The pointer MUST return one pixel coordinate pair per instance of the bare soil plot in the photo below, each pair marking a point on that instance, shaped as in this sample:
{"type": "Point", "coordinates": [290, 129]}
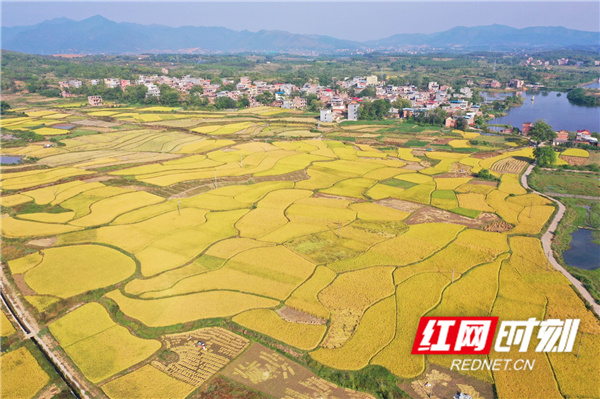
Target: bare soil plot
{"type": "Point", "coordinates": [485, 221]}
{"type": "Point", "coordinates": [297, 316]}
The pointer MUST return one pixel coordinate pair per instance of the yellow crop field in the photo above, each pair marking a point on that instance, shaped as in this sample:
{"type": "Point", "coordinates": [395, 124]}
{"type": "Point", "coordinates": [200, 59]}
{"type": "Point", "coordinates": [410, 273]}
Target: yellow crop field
{"type": "Point", "coordinates": [415, 178]}
{"type": "Point", "coordinates": [346, 166]}
{"type": "Point", "coordinates": [22, 376]}
{"type": "Point", "coordinates": [305, 299]}
{"type": "Point", "coordinates": [106, 210]}
{"type": "Point", "coordinates": [371, 211]}
{"type": "Point", "coordinates": [414, 298]}
{"type": "Point", "coordinates": [376, 329]}
{"type": "Point", "coordinates": [98, 346]}
{"type": "Point", "coordinates": [174, 310]}
{"type": "Point", "coordinates": [459, 144]}
{"type": "Point", "coordinates": [147, 382]}
{"type": "Point", "coordinates": [419, 242]}
{"type": "Point", "coordinates": [6, 327]}
{"type": "Point", "coordinates": [381, 191]}
{"type": "Point", "coordinates": [19, 180]}
{"type": "Point", "coordinates": [41, 302]}
{"type": "Point", "coordinates": [576, 152]}
{"type": "Point", "coordinates": [14, 200]}
{"type": "Point", "coordinates": [322, 178]}
{"type": "Point", "coordinates": [533, 218]}
{"type": "Point", "coordinates": [266, 321]}
{"type": "Point", "coordinates": [21, 265]}
{"type": "Point", "coordinates": [474, 201]}
{"type": "Point", "coordinates": [358, 289]}
{"type": "Point", "coordinates": [420, 193]}
{"type": "Point", "coordinates": [228, 248]}
{"type": "Point", "coordinates": [223, 129]}
{"type": "Point", "coordinates": [510, 184]}
{"type": "Point", "coordinates": [350, 188]}
{"type": "Point", "coordinates": [50, 131]}
{"type": "Point", "coordinates": [62, 217]}
{"type": "Point", "coordinates": [450, 183]}
{"type": "Point", "coordinates": [47, 195]}
{"type": "Point", "coordinates": [291, 164]}
{"type": "Point", "coordinates": [260, 221]}
{"type": "Point", "coordinates": [15, 228]}
{"type": "Point", "coordinates": [406, 155]}
{"type": "Point", "coordinates": [72, 270]}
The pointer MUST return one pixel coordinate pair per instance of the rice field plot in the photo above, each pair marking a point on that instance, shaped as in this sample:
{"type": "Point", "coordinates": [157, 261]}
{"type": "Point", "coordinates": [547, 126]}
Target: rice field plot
{"type": "Point", "coordinates": [186, 308]}
{"type": "Point", "coordinates": [97, 345]}
{"type": "Point", "coordinates": [16, 228]}
{"type": "Point", "coordinates": [6, 327]}
{"type": "Point", "coordinates": [374, 332]}
{"type": "Point", "coordinates": [223, 130]}
{"type": "Point", "coordinates": [445, 199]}
{"type": "Point", "coordinates": [267, 371]}
{"type": "Point", "coordinates": [266, 321]}
{"type": "Point", "coordinates": [249, 272]}
{"type": "Point", "coordinates": [67, 271]}
{"type": "Point", "coordinates": [20, 180]}
{"type": "Point", "coordinates": [22, 376]}
{"type": "Point", "coordinates": [414, 298]}
{"type": "Point", "coordinates": [50, 131]}
{"type": "Point", "coordinates": [305, 297]}
{"type": "Point", "coordinates": [418, 243]}
{"type": "Point", "coordinates": [353, 188]}
{"type": "Point", "coordinates": [509, 165]}
{"type": "Point", "coordinates": [575, 152]}
{"type": "Point", "coordinates": [105, 210]}
{"type": "Point", "coordinates": [147, 382]}
{"type": "Point", "coordinates": [200, 354]}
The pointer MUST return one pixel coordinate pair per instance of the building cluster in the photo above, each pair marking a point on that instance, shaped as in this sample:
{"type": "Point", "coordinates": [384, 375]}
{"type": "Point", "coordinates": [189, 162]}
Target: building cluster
{"type": "Point", "coordinates": [581, 137]}
{"type": "Point", "coordinates": [340, 101]}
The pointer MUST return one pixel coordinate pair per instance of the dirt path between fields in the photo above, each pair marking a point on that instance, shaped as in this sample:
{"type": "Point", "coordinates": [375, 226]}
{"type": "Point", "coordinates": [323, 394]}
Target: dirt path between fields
{"type": "Point", "coordinates": [547, 243]}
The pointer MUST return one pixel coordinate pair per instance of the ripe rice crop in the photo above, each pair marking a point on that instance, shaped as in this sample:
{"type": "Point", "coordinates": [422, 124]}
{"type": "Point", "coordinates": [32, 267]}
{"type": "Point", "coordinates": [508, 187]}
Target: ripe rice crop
{"type": "Point", "coordinates": [415, 178]}
{"type": "Point", "coordinates": [406, 155]}
{"type": "Point", "coordinates": [358, 289]}
{"type": "Point", "coordinates": [381, 191]}
{"type": "Point", "coordinates": [509, 165]}
{"type": "Point", "coordinates": [147, 382]}
{"type": "Point", "coordinates": [350, 188]}
{"type": "Point", "coordinates": [22, 376]}
{"type": "Point", "coordinates": [445, 199]}
{"type": "Point", "coordinates": [41, 302]}
{"type": "Point", "coordinates": [14, 200]}
{"type": "Point", "coordinates": [50, 194]}
{"type": "Point", "coordinates": [19, 180]}
{"type": "Point", "coordinates": [260, 221]}
{"type": "Point", "coordinates": [304, 298]}
{"type": "Point", "coordinates": [266, 321]}
{"type": "Point", "coordinates": [376, 329]}
{"type": "Point", "coordinates": [21, 265]}
{"type": "Point", "coordinates": [6, 327]}
{"type": "Point", "coordinates": [450, 183]}
{"type": "Point", "coordinates": [510, 184]}
{"type": "Point", "coordinates": [174, 310]}
{"type": "Point", "coordinates": [227, 248]}
{"type": "Point", "coordinates": [15, 228]}
{"type": "Point", "coordinates": [106, 210]}
{"type": "Point", "coordinates": [459, 144]}
{"type": "Point", "coordinates": [414, 298]}
{"type": "Point", "coordinates": [371, 211]}
{"type": "Point", "coordinates": [50, 131]}
{"type": "Point", "coordinates": [72, 270]}
{"type": "Point", "coordinates": [474, 201]}
{"type": "Point", "coordinates": [62, 217]}
{"type": "Point", "coordinates": [576, 152]}
{"type": "Point", "coordinates": [98, 346]}
{"type": "Point", "coordinates": [532, 219]}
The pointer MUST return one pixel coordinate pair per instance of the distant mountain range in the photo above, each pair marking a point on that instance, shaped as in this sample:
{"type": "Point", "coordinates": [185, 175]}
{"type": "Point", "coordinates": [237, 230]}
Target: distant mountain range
{"type": "Point", "coordinates": [98, 35]}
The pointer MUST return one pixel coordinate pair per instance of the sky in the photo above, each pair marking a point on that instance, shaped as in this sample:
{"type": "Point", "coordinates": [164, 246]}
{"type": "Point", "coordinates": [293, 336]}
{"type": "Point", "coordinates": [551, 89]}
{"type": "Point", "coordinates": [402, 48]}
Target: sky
{"type": "Point", "coordinates": [359, 21]}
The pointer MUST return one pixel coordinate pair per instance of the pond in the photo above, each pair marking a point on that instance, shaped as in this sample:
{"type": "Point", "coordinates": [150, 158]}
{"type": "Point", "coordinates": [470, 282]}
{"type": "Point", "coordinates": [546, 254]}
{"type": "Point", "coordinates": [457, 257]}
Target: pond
{"type": "Point", "coordinates": [556, 110]}
{"type": "Point", "coordinates": [583, 252]}
{"type": "Point", "coordinates": [7, 160]}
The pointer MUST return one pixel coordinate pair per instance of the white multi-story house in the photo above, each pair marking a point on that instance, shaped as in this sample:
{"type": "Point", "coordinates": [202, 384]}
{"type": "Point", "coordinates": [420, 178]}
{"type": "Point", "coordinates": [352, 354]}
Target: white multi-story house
{"type": "Point", "coordinates": [353, 111]}
{"type": "Point", "coordinates": [326, 115]}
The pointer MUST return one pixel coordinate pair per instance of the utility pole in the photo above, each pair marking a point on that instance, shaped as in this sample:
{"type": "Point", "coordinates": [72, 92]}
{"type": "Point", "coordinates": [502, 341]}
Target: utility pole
{"type": "Point", "coordinates": [579, 348]}
{"type": "Point", "coordinates": [179, 207]}
{"type": "Point", "coordinates": [453, 275]}
{"type": "Point", "coordinates": [241, 161]}
{"type": "Point", "coordinates": [215, 179]}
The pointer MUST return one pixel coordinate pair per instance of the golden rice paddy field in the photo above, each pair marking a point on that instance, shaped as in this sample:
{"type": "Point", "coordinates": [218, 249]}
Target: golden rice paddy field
{"type": "Point", "coordinates": [327, 248]}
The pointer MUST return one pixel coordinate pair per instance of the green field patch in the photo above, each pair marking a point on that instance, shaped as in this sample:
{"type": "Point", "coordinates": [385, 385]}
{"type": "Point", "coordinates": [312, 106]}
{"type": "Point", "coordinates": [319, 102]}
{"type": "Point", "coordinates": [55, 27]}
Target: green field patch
{"type": "Point", "coordinates": [471, 213]}
{"type": "Point", "coordinates": [399, 183]}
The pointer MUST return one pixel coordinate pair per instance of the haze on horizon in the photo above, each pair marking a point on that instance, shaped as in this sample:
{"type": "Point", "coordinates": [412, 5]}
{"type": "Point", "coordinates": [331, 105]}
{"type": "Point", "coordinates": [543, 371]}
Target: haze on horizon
{"type": "Point", "coordinates": [353, 21]}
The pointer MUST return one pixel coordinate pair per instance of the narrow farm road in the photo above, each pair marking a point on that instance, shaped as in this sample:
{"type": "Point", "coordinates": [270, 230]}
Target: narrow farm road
{"type": "Point", "coordinates": [31, 329]}
{"type": "Point", "coordinates": [547, 243]}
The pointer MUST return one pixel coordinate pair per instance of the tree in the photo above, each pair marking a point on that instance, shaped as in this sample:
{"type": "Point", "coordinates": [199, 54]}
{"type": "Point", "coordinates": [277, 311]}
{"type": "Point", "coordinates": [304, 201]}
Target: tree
{"type": "Point", "coordinates": [401, 103]}
{"type": "Point", "coordinates": [4, 107]}
{"type": "Point", "coordinates": [462, 124]}
{"type": "Point", "coordinates": [225, 103]}
{"type": "Point", "coordinates": [367, 92]}
{"type": "Point", "coordinates": [544, 156]}
{"type": "Point", "coordinates": [541, 132]}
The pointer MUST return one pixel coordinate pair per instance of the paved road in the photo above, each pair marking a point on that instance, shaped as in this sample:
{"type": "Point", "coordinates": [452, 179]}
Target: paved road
{"type": "Point", "coordinates": [547, 244]}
